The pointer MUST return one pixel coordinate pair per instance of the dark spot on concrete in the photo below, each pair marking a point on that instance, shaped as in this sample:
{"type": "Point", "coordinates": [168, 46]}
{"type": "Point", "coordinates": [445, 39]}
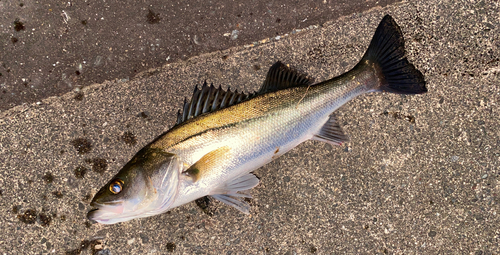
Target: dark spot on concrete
{"type": "Point", "coordinates": [44, 219]}
{"type": "Point", "coordinates": [103, 252]}
{"type": "Point", "coordinates": [99, 165]}
{"type": "Point", "coordinates": [21, 5]}
{"type": "Point", "coordinates": [313, 249]}
{"type": "Point", "coordinates": [18, 25]}
{"type": "Point", "coordinates": [29, 216]}
{"type": "Point", "coordinates": [63, 217]}
{"type": "Point", "coordinates": [286, 178]}
{"type": "Point", "coordinates": [278, 20]}
{"type": "Point", "coordinates": [88, 224]}
{"type": "Point", "coordinates": [44, 197]}
{"type": "Point", "coordinates": [153, 18]}
{"type": "Point", "coordinates": [374, 219]}
{"type": "Point", "coordinates": [82, 145]}
{"type": "Point", "coordinates": [14, 40]}
{"type": "Point", "coordinates": [143, 115]}
{"type": "Point", "coordinates": [225, 57]}
{"type": "Point", "coordinates": [16, 208]}
{"type": "Point", "coordinates": [366, 227]}
{"type": "Point", "coordinates": [77, 72]}
{"type": "Point", "coordinates": [81, 207]}
{"type": "Point", "coordinates": [171, 247]}
{"type": "Point", "coordinates": [87, 197]}
{"type": "Point", "coordinates": [58, 194]}
{"type": "Point", "coordinates": [144, 238]}
{"type": "Point", "coordinates": [205, 205]}
{"type": "Point", "coordinates": [399, 116]}
{"type": "Point", "coordinates": [256, 67]}
{"type": "Point", "coordinates": [129, 138]}
{"type": "Point", "coordinates": [48, 178]}
{"type": "Point", "coordinates": [432, 233]}
{"type": "Point", "coordinates": [1, 193]}
{"type": "Point", "coordinates": [62, 152]}
{"type": "Point", "coordinates": [80, 172]}
{"type": "Point", "coordinates": [84, 245]}
{"type": "Point", "coordinates": [78, 97]}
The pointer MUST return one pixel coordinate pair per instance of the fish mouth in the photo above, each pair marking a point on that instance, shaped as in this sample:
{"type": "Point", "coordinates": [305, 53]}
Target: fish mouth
{"type": "Point", "coordinates": [91, 215]}
{"type": "Point", "coordinates": [104, 212]}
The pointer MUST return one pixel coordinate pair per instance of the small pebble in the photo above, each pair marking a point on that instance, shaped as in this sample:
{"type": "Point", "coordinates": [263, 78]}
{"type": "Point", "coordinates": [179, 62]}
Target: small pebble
{"type": "Point", "coordinates": [234, 34]}
{"type": "Point", "coordinates": [131, 241]}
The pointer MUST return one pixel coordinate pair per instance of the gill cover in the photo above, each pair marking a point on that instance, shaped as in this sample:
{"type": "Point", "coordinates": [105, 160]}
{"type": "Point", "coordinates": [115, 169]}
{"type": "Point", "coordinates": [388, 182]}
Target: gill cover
{"type": "Point", "coordinates": [146, 186]}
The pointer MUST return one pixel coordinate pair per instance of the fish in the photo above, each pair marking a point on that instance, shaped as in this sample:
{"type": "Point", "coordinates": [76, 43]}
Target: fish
{"type": "Point", "coordinates": [222, 136]}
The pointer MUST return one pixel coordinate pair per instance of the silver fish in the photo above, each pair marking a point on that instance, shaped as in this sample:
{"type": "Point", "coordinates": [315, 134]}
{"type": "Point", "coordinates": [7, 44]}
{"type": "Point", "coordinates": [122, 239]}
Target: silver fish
{"type": "Point", "coordinates": [222, 136]}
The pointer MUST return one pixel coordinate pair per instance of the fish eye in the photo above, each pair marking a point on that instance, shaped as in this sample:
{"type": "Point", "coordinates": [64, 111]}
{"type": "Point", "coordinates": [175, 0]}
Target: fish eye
{"type": "Point", "coordinates": [116, 186]}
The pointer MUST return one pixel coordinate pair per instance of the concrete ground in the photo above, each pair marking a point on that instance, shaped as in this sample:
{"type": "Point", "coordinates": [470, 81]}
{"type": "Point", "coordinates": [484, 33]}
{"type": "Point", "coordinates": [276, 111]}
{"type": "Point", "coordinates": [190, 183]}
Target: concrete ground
{"type": "Point", "coordinates": [51, 47]}
{"type": "Point", "coordinates": [421, 174]}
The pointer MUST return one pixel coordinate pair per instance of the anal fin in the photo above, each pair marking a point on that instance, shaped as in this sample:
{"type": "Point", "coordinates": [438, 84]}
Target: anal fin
{"type": "Point", "coordinates": [331, 133]}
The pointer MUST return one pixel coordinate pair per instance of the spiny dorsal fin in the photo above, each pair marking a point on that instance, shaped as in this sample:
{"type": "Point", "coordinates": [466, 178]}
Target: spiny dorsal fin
{"type": "Point", "coordinates": [281, 76]}
{"type": "Point", "coordinates": [209, 99]}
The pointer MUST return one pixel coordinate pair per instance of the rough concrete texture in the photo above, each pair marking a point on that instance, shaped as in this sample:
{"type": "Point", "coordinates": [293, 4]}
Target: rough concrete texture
{"type": "Point", "coordinates": [51, 47]}
{"type": "Point", "coordinates": [420, 175]}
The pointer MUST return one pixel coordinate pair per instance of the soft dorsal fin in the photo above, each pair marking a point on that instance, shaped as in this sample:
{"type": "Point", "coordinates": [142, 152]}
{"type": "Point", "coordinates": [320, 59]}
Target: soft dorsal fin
{"type": "Point", "coordinates": [281, 77]}
{"type": "Point", "coordinates": [209, 99]}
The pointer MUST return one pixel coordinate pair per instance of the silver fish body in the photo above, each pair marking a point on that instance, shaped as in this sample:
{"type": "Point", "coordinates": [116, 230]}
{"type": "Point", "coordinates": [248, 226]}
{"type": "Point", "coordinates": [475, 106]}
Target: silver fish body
{"type": "Point", "coordinates": [222, 136]}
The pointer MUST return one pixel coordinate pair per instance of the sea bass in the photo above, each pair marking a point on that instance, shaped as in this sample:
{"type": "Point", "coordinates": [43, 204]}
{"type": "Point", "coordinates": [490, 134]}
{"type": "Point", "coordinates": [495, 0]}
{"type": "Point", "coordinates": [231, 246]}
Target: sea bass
{"type": "Point", "coordinates": [222, 136]}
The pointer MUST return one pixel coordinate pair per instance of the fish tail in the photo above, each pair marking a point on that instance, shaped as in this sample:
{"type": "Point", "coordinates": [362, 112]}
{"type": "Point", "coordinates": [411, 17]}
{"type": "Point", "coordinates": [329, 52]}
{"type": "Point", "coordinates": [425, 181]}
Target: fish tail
{"type": "Point", "coordinates": [387, 53]}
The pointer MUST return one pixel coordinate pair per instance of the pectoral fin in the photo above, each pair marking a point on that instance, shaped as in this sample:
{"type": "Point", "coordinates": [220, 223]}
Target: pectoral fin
{"type": "Point", "coordinates": [228, 193]}
{"type": "Point", "coordinates": [208, 163]}
{"type": "Point", "coordinates": [331, 133]}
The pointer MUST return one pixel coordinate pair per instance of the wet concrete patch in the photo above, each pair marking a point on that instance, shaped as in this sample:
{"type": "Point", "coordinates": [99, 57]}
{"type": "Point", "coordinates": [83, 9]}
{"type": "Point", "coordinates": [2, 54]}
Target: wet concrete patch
{"type": "Point", "coordinates": [82, 145]}
{"type": "Point", "coordinates": [80, 172]}
{"type": "Point", "coordinates": [28, 217]}
{"type": "Point", "coordinates": [98, 165]}
{"type": "Point", "coordinates": [129, 138]}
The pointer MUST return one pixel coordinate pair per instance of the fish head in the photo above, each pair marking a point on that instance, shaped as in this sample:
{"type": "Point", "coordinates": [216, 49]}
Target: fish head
{"type": "Point", "coordinates": [145, 186]}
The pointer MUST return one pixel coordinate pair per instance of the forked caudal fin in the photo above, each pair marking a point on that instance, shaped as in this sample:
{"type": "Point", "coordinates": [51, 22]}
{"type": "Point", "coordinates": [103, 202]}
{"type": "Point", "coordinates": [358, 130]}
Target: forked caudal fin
{"type": "Point", "coordinates": [387, 51]}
